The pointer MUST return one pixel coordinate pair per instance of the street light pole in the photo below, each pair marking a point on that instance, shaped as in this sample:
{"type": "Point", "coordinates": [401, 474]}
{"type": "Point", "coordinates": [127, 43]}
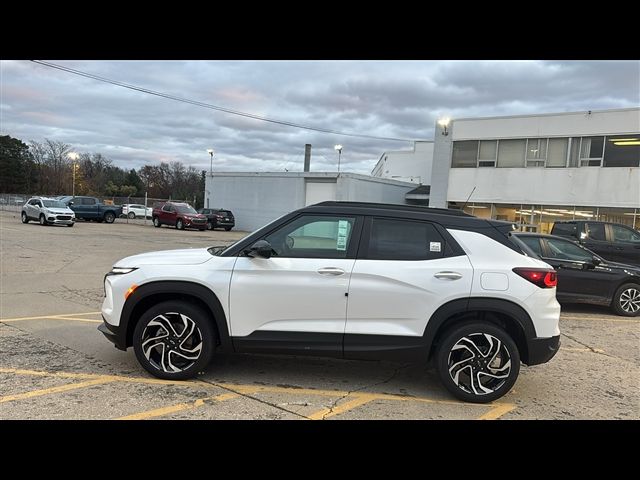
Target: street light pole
{"type": "Point", "coordinates": [210, 152]}
{"type": "Point", "coordinates": [339, 149]}
{"type": "Point", "coordinates": [73, 156]}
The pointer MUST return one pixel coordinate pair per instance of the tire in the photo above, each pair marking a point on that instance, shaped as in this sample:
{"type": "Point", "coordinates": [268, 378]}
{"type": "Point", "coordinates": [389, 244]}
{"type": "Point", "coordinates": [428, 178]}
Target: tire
{"type": "Point", "coordinates": [626, 300]}
{"type": "Point", "coordinates": [181, 362]}
{"type": "Point", "coordinates": [202, 229]}
{"type": "Point", "coordinates": [131, 215]}
{"type": "Point", "coordinates": [474, 354]}
{"type": "Point", "coordinates": [43, 221]}
{"type": "Point", "coordinates": [179, 224]}
{"type": "Point", "coordinates": [228, 229]}
{"type": "Point", "coordinates": [24, 217]}
{"type": "Point", "coordinates": [209, 225]}
{"type": "Point", "coordinates": [109, 217]}
{"type": "Point", "coordinates": [156, 222]}
{"type": "Point", "coordinates": [71, 225]}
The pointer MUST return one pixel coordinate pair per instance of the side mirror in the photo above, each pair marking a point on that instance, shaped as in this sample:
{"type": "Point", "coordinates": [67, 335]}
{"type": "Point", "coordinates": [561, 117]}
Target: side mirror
{"type": "Point", "coordinates": [261, 248]}
{"type": "Point", "coordinates": [70, 203]}
{"type": "Point", "coordinates": [596, 261]}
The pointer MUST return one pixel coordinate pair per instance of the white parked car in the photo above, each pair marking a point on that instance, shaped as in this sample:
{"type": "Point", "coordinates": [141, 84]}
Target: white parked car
{"type": "Point", "coordinates": [133, 210]}
{"type": "Point", "coordinates": [47, 211]}
{"type": "Point", "coordinates": [347, 280]}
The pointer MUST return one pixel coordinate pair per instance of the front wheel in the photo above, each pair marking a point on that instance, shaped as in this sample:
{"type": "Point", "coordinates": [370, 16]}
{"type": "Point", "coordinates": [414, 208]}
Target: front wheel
{"type": "Point", "coordinates": [179, 225]}
{"type": "Point", "coordinates": [109, 217]}
{"type": "Point", "coordinates": [210, 225]}
{"type": "Point", "coordinates": [43, 221]}
{"type": "Point", "coordinates": [478, 362]}
{"type": "Point", "coordinates": [156, 222]}
{"type": "Point", "coordinates": [626, 301]}
{"type": "Point", "coordinates": [131, 215]}
{"type": "Point", "coordinates": [174, 340]}
{"type": "Point", "coordinates": [70, 224]}
{"type": "Point", "coordinates": [24, 218]}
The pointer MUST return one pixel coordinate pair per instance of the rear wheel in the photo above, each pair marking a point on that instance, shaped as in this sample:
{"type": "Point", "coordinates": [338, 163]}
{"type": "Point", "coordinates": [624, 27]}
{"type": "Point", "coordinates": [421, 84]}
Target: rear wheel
{"type": "Point", "coordinates": [626, 300]}
{"type": "Point", "coordinates": [179, 224]}
{"type": "Point", "coordinates": [109, 217]}
{"type": "Point", "coordinates": [478, 362]}
{"type": "Point", "coordinates": [156, 222]}
{"type": "Point", "coordinates": [43, 221]}
{"type": "Point", "coordinates": [174, 340]}
{"type": "Point", "coordinates": [24, 217]}
{"type": "Point", "coordinates": [131, 215]}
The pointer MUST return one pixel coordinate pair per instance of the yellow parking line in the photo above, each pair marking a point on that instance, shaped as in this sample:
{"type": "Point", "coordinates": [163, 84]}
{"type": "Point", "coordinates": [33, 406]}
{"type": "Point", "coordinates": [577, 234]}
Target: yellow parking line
{"type": "Point", "coordinates": [358, 401]}
{"type": "Point", "coordinates": [43, 317]}
{"type": "Point", "coordinates": [600, 319]}
{"type": "Point", "coordinates": [76, 319]}
{"type": "Point", "coordinates": [497, 411]}
{"type": "Point", "coordinates": [158, 412]}
{"type": "Point", "coordinates": [58, 389]}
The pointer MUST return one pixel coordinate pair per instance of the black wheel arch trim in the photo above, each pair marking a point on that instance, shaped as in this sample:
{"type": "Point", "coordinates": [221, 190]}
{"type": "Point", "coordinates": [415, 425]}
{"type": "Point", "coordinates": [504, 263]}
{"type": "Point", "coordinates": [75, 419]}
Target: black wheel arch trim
{"type": "Point", "coordinates": [174, 287]}
{"type": "Point", "coordinates": [497, 305]}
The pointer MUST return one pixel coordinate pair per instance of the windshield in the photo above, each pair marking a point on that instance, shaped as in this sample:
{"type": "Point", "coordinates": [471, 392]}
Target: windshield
{"type": "Point", "coordinates": [185, 209]}
{"type": "Point", "coordinates": [53, 204]}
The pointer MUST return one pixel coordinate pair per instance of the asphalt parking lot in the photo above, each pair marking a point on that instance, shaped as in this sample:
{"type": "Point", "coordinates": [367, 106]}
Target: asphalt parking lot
{"type": "Point", "coordinates": [54, 364]}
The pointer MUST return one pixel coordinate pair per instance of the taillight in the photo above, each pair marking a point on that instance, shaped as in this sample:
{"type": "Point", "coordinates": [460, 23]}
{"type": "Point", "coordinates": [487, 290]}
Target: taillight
{"type": "Point", "coordinates": [541, 277]}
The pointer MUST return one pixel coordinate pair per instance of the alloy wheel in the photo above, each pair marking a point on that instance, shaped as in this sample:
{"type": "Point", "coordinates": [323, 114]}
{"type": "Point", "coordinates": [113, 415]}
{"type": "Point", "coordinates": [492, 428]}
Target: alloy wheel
{"type": "Point", "coordinates": [630, 300]}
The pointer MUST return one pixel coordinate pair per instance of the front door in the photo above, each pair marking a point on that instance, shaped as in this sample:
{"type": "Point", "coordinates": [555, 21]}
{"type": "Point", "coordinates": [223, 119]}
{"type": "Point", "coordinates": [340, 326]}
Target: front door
{"type": "Point", "coordinates": [296, 300]}
{"type": "Point", "coordinates": [625, 245]}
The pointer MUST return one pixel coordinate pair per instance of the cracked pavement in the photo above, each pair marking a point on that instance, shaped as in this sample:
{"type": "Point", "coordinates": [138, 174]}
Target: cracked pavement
{"type": "Point", "coordinates": [64, 368]}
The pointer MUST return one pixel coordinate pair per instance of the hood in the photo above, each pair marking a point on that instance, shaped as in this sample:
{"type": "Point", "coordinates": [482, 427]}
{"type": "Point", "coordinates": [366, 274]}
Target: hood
{"type": "Point", "coordinates": [60, 211]}
{"type": "Point", "coordinates": [188, 256]}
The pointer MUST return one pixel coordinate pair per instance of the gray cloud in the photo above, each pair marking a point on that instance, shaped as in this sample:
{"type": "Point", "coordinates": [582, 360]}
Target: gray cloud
{"type": "Point", "coordinates": [385, 98]}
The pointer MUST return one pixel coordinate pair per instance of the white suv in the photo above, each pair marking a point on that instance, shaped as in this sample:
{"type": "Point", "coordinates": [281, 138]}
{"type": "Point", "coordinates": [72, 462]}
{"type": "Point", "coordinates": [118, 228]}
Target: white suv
{"type": "Point", "coordinates": [347, 280]}
{"type": "Point", "coordinates": [47, 211]}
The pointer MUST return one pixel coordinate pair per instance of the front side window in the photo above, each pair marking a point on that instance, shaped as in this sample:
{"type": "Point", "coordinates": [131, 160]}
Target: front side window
{"type": "Point", "coordinates": [392, 239]}
{"type": "Point", "coordinates": [624, 234]}
{"type": "Point", "coordinates": [564, 250]}
{"type": "Point", "coordinates": [313, 236]}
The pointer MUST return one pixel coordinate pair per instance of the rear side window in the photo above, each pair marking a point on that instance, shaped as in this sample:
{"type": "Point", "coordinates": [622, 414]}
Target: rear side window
{"type": "Point", "coordinates": [393, 239]}
{"type": "Point", "coordinates": [533, 243]}
{"type": "Point", "coordinates": [564, 229]}
{"type": "Point", "coordinates": [596, 231]}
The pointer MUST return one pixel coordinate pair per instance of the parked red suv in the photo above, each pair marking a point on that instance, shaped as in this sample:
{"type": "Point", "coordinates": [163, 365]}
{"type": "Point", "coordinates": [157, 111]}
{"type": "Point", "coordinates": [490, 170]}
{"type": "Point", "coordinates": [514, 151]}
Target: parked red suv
{"type": "Point", "coordinates": [179, 215]}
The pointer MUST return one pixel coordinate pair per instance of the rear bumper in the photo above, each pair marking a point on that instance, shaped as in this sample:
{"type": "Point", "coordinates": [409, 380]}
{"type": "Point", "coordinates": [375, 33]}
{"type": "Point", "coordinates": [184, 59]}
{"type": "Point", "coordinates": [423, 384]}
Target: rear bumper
{"type": "Point", "coordinates": [541, 350]}
{"type": "Point", "coordinates": [114, 333]}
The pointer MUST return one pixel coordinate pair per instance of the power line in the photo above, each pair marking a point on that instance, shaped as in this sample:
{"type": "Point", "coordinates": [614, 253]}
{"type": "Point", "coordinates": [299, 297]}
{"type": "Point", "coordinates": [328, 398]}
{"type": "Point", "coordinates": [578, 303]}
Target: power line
{"type": "Point", "coordinates": [213, 107]}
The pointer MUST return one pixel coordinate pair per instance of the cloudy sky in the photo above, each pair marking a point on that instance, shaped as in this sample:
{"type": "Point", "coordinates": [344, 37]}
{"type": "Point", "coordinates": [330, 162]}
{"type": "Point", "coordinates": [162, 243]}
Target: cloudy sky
{"type": "Point", "coordinates": [381, 98]}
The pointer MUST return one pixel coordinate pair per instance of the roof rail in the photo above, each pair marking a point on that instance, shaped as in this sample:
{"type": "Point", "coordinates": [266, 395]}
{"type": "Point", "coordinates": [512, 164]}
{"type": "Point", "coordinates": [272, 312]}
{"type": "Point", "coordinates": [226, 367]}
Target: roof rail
{"type": "Point", "coordinates": [393, 206]}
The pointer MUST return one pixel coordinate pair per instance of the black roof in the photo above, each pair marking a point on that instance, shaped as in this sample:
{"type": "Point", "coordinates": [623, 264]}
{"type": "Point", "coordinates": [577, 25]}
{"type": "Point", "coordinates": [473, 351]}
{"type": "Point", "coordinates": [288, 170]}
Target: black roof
{"type": "Point", "coordinates": [393, 206]}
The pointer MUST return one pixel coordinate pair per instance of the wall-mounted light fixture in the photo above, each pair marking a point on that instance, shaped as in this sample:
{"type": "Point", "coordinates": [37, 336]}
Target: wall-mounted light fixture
{"type": "Point", "coordinates": [444, 123]}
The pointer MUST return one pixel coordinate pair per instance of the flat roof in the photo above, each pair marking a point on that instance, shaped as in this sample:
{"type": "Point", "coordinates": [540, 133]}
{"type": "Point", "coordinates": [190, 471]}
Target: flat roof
{"type": "Point", "coordinates": [550, 114]}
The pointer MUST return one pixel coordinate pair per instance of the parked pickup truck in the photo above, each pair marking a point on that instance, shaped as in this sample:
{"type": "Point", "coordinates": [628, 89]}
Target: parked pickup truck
{"type": "Point", "coordinates": [91, 208]}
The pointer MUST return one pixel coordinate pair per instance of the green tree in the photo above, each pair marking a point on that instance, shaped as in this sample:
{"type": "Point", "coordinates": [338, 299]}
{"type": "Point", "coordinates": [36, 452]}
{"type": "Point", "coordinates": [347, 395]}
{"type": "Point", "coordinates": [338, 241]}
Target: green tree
{"type": "Point", "coordinates": [15, 172]}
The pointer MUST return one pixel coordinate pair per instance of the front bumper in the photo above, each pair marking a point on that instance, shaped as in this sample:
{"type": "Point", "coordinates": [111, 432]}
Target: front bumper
{"type": "Point", "coordinates": [60, 219]}
{"type": "Point", "coordinates": [114, 334]}
{"type": "Point", "coordinates": [541, 350]}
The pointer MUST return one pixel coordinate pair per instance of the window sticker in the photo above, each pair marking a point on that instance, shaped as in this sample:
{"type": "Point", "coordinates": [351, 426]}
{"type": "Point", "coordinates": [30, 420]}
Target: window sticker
{"type": "Point", "coordinates": [435, 247]}
{"type": "Point", "coordinates": [343, 230]}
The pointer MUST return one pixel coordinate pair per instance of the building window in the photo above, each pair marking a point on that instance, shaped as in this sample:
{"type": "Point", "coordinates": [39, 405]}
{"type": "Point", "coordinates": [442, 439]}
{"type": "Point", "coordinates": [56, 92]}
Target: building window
{"type": "Point", "coordinates": [511, 153]}
{"type": "Point", "coordinates": [465, 154]}
{"type": "Point", "coordinates": [622, 151]}
{"type": "Point", "coordinates": [591, 151]}
{"type": "Point", "coordinates": [536, 152]}
{"type": "Point", "coordinates": [574, 150]}
{"type": "Point", "coordinates": [487, 152]}
{"type": "Point", "coordinates": [557, 152]}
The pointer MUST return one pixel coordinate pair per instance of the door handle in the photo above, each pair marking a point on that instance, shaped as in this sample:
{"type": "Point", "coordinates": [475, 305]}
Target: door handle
{"type": "Point", "coordinates": [334, 271]}
{"type": "Point", "coordinates": [448, 275]}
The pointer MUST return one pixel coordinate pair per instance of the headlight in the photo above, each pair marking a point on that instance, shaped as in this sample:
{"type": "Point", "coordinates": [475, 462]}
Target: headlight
{"type": "Point", "coordinates": [120, 270]}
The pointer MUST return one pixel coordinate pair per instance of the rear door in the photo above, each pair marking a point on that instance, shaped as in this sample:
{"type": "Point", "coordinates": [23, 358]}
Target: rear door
{"type": "Point", "coordinates": [168, 214]}
{"type": "Point", "coordinates": [405, 270]}
{"type": "Point", "coordinates": [577, 279]}
{"type": "Point", "coordinates": [595, 239]}
{"type": "Point", "coordinates": [625, 244]}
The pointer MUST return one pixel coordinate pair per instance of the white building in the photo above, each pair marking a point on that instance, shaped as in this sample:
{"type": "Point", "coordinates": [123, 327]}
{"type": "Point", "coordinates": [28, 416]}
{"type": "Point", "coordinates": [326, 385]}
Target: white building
{"type": "Point", "coordinates": [537, 169]}
{"type": "Point", "coordinates": [257, 198]}
{"type": "Point", "coordinates": [407, 165]}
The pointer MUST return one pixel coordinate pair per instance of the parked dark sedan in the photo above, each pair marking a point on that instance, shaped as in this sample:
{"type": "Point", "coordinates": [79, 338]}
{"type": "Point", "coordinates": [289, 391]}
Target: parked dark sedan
{"type": "Point", "coordinates": [584, 277]}
{"type": "Point", "coordinates": [218, 218]}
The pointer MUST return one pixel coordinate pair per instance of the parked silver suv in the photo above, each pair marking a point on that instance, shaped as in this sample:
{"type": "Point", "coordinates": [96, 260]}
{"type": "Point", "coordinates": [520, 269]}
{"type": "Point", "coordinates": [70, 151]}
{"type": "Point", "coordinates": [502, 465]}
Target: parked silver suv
{"type": "Point", "coordinates": [47, 211]}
